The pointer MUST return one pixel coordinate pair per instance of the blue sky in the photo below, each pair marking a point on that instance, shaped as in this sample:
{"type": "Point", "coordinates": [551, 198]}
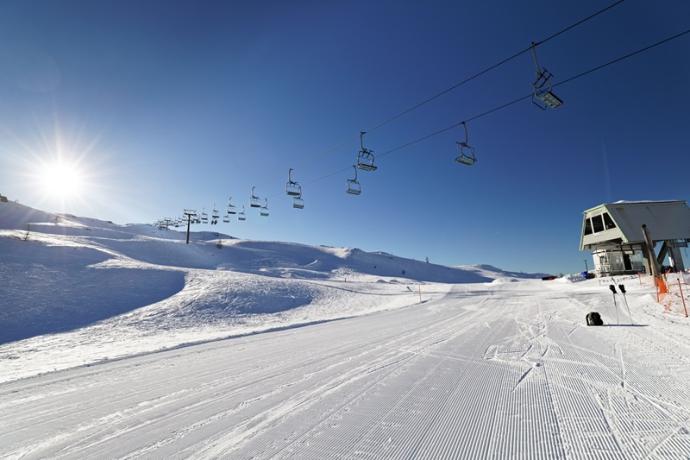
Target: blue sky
{"type": "Point", "coordinates": [179, 104]}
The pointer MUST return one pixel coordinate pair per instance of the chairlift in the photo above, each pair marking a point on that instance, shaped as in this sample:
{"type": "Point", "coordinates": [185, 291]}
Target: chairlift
{"type": "Point", "coordinates": [264, 209]}
{"type": "Point", "coordinates": [255, 201]}
{"type": "Point", "coordinates": [231, 207]}
{"type": "Point", "coordinates": [467, 156]}
{"type": "Point", "coordinates": [215, 216]}
{"type": "Point", "coordinates": [226, 219]}
{"type": "Point", "coordinates": [542, 95]}
{"type": "Point", "coordinates": [204, 217]}
{"type": "Point", "coordinates": [242, 216]}
{"type": "Point", "coordinates": [293, 188]}
{"type": "Point", "coordinates": [353, 185]}
{"type": "Point", "coordinates": [297, 202]}
{"type": "Point", "coordinates": [365, 157]}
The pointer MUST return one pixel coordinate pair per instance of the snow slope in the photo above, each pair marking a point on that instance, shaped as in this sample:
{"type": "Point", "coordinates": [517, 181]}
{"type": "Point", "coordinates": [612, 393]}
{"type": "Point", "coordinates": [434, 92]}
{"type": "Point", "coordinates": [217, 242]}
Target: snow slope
{"type": "Point", "coordinates": [123, 342]}
{"type": "Point", "coordinates": [114, 290]}
{"type": "Point", "coordinates": [499, 275]}
{"type": "Point", "coordinates": [484, 371]}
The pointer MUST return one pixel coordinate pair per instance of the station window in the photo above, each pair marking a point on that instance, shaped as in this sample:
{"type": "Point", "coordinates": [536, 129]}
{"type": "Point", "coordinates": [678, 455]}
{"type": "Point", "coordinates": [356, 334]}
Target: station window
{"type": "Point", "coordinates": [588, 227]}
{"type": "Point", "coordinates": [597, 224]}
{"type": "Point", "coordinates": [608, 222]}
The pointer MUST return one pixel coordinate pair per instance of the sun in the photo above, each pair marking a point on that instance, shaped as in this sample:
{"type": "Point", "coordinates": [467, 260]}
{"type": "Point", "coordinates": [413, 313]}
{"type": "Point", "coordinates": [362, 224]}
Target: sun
{"type": "Point", "coordinates": [61, 179]}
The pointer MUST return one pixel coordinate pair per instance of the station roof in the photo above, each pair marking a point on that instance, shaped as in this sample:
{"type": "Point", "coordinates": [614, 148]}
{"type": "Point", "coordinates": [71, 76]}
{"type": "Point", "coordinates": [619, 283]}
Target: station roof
{"type": "Point", "coordinates": [665, 220]}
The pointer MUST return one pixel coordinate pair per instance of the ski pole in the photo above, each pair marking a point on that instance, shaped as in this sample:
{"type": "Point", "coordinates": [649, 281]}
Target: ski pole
{"type": "Point", "coordinates": [615, 305]}
{"type": "Point", "coordinates": [625, 298]}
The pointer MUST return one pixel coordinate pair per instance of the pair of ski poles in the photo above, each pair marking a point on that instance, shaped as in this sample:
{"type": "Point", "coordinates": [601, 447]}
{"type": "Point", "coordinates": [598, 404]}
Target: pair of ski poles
{"type": "Point", "coordinates": [621, 287]}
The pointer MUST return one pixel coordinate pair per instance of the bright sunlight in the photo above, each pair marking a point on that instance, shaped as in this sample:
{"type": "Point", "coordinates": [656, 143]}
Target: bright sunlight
{"type": "Point", "coordinates": [61, 179]}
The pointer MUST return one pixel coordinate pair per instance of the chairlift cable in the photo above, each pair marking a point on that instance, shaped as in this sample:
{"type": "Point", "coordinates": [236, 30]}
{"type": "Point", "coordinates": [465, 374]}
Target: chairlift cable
{"type": "Point", "coordinates": [470, 78]}
{"type": "Point", "coordinates": [493, 66]}
{"type": "Point", "coordinates": [462, 82]}
{"type": "Point", "coordinates": [575, 24]}
{"type": "Point", "coordinates": [528, 96]}
{"type": "Point", "coordinates": [514, 101]}
{"type": "Point", "coordinates": [622, 58]}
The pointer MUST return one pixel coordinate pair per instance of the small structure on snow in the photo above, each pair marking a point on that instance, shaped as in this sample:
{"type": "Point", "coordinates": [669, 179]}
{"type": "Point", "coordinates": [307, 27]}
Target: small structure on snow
{"type": "Point", "coordinates": [614, 233]}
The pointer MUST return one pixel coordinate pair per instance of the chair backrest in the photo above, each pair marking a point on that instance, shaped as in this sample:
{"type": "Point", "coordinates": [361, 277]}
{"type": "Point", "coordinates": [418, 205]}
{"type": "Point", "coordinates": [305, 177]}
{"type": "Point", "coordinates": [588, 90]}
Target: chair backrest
{"type": "Point", "coordinates": [293, 189]}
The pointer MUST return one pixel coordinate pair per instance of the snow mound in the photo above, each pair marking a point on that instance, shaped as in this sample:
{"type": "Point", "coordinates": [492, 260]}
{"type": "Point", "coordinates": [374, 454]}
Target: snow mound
{"type": "Point", "coordinates": [491, 272]}
{"type": "Point", "coordinates": [114, 290]}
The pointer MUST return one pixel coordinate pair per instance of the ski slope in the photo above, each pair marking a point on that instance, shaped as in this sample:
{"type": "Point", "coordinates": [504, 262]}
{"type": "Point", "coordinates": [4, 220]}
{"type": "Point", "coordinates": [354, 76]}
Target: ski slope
{"type": "Point", "coordinates": [482, 372]}
{"type": "Point", "coordinates": [123, 342]}
{"type": "Point", "coordinates": [113, 291]}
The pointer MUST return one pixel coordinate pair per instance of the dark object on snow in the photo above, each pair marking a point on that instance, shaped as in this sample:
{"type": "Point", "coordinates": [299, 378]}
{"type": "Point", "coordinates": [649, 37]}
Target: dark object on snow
{"type": "Point", "coordinates": [590, 276]}
{"type": "Point", "coordinates": [3, 199]}
{"type": "Point", "coordinates": [594, 319]}
{"type": "Point", "coordinates": [548, 277]}
{"type": "Point", "coordinates": [621, 288]}
{"type": "Point", "coordinates": [613, 288]}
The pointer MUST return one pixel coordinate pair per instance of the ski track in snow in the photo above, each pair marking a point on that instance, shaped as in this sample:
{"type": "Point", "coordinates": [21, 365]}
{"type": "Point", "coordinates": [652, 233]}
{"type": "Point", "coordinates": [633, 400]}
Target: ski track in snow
{"type": "Point", "coordinates": [426, 381]}
{"type": "Point", "coordinates": [482, 370]}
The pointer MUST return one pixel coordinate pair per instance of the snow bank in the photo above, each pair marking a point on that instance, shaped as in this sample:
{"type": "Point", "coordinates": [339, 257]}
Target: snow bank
{"type": "Point", "coordinates": [48, 289]}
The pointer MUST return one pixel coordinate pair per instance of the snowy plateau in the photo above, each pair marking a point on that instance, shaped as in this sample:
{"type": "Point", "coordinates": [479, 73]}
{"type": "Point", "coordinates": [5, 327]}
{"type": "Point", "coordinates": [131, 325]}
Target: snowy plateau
{"type": "Point", "coordinates": [121, 341]}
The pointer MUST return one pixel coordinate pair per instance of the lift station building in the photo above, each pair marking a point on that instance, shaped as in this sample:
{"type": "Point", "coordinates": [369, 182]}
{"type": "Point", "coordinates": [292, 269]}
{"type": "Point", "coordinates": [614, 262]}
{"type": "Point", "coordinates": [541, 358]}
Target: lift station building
{"type": "Point", "coordinates": [614, 234]}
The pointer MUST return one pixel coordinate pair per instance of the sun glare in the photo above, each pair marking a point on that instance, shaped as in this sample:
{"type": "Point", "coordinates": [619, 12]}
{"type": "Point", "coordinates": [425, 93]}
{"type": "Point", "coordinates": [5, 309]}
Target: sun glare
{"type": "Point", "coordinates": [61, 179]}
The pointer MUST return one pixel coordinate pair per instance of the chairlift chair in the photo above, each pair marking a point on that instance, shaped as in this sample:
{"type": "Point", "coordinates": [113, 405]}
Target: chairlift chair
{"type": "Point", "coordinates": [293, 188]}
{"type": "Point", "coordinates": [542, 94]}
{"type": "Point", "coordinates": [365, 157]}
{"type": "Point", "coordinates": [231, 207]}
{"type": "Point", "coordinates": [226, 219]}
{"type": "Point", "coordinates": [255, 201]}
{"type": "Point", "coordinates": [242, 216]}
{"type": "Point", "coordinates": [353, 185]}
{"type": "Point", "coordinates": [467, 156]}
{"type": "Point", "coordinates": [297, 202]}
{"type": "Point", "coordinates": [264, 209]}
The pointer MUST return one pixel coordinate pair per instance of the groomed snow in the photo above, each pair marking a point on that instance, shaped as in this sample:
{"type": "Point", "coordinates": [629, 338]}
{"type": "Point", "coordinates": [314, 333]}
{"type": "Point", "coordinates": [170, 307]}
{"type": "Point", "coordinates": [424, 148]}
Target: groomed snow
{"type": "Point", "coordinates": [492, 367]}
{"type": "Point", "coordinates": [112, 291]}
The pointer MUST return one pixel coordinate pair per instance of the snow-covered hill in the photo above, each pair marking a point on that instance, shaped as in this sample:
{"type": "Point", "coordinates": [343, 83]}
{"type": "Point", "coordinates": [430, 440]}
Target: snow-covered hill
{"type": "Point", "coordinates": [72, 281]}
{"type": "Point", "coordinates": [482, 367]}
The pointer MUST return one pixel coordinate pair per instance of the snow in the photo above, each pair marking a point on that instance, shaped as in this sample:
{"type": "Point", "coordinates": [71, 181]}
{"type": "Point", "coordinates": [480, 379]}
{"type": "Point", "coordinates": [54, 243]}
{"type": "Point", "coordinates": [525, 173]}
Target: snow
{"type": "Point", "coordinates": [113, 291]}
{"type": "Point", "coordinates": [123, 342]}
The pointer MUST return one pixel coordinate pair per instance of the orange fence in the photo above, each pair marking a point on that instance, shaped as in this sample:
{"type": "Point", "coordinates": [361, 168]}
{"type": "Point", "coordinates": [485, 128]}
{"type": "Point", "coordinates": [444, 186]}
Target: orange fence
{"type": "Point", "coordinates": [673, 293]}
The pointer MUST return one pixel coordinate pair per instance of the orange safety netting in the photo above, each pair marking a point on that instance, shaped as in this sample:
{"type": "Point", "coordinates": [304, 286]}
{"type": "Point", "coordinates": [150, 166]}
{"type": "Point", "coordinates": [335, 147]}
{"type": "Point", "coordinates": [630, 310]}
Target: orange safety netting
{"type": "Point", "coordinates": [671, 294]}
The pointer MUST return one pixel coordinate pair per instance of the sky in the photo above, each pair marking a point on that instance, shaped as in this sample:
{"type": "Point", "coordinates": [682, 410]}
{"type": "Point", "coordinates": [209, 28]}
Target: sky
{"type": "Point", "coordinates": [166, 105]}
